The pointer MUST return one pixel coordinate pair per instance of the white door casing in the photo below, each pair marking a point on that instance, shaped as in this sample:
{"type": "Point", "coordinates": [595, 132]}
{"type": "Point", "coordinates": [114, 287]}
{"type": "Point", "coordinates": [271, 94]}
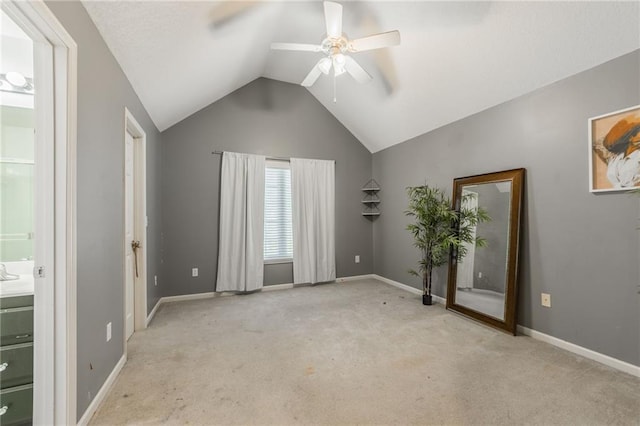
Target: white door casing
{"type": "Point", "coordinates": [129, 234]}
{"type": "Point", "coordinates": [44, 242]}
{"type": "Point", "coordinates": [135, 205]}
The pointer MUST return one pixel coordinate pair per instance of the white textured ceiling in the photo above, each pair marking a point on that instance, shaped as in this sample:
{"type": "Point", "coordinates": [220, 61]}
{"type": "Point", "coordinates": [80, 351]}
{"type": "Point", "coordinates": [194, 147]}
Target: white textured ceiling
{"type": "Point", "coordinates": [455, 59]}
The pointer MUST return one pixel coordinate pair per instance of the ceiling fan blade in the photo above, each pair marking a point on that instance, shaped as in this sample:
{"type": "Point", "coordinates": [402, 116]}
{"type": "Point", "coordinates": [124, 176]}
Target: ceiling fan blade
{"type": "Point", "coordinates": [333, 19]}
{"type": "Point", "coordinates": [313, 75]}
{"type": "Point", "coordinates": [296, 46]}
{"type": "Point", "coordinates": [356, 71]}
{"type": "Point", "coordinates": [376, 41]}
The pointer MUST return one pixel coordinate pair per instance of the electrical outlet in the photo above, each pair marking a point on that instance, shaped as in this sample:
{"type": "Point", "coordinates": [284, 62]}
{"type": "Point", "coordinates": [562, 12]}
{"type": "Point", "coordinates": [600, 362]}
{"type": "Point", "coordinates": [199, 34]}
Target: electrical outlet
{"type": "Point", "coordinates": [194, 272]}
{"type": "Point", "coordinates": [479, 274]}
{"type": "Point", "coordinates": [546, 300]}
{"type": "Point", "coordinates": [155, 280]}
{"type": "Point", "coordinates": [108, 331]}
{"type": "Point", "coordinates": [357, 258]}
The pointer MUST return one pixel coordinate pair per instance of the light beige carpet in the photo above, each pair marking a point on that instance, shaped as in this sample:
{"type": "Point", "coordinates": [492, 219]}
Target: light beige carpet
{"type": "Point", "coordinates": [358, 352]}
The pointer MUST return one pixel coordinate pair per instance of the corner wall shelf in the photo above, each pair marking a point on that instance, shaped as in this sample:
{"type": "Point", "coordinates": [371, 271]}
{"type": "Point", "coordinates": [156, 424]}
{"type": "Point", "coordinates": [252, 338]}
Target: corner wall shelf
{"type": "Point", "coordinates": [371, 199]}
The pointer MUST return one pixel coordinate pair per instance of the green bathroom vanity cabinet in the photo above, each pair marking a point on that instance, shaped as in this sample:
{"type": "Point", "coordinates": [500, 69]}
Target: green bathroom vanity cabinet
{"type": "Point", "coordinates": [16, 360]}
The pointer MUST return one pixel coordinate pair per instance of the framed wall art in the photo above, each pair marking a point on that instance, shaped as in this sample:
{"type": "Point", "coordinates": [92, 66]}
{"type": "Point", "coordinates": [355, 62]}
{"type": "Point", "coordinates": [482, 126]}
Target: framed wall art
{"type": "Point", "coordinates": [614, 151]}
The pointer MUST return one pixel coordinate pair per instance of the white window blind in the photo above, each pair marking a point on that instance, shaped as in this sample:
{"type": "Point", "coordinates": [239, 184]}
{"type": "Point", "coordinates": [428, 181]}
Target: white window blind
{"type": "Point", "coordinates": [278, 235]}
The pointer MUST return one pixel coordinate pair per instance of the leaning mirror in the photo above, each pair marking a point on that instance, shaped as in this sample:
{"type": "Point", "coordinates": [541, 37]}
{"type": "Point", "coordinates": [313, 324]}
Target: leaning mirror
{"type": "Point", "coordinates": [483, 273]}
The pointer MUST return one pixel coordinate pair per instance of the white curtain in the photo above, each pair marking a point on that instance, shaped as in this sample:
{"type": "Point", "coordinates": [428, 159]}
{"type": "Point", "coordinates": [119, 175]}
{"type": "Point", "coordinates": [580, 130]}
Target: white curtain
{"type": "Point", "coordinates": [313, 211]}
{"type": "Point", "coordinates": [241, 251]}
{"type": "Point", "coordinates": [465, 266]}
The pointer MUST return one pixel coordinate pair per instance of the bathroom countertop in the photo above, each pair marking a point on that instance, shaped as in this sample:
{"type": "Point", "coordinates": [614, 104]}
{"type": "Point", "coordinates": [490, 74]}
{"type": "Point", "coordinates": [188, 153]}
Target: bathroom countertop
{"type": "Point", "coordinates": [20, 287]}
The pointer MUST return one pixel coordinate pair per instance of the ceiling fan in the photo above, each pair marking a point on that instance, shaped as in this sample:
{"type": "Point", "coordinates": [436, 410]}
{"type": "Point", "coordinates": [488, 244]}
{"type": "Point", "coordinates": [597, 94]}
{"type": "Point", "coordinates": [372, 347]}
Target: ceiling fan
{"type": "Point", "coordinates": [336, 47]}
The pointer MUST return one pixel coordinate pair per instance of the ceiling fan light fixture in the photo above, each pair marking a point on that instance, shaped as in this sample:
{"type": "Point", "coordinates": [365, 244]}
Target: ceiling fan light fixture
{"type": "Point", "coordinates": [336, 44]}
{"type": "Point", "coordinates": [325, 65]}
{"type": "Point", "coordinates": [339, 62]}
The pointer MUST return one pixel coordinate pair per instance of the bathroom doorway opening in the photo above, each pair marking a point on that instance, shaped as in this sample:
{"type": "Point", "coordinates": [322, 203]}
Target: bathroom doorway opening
{"type": "Point", "coordinates": [24, 238]}
{"type": "Point", "coordinates": [37, 217]}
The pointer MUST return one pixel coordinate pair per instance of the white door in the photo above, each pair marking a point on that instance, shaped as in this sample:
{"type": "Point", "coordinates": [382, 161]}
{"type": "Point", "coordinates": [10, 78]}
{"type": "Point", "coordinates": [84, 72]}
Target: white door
{"type": "Point", "coordinates": [129, 234]}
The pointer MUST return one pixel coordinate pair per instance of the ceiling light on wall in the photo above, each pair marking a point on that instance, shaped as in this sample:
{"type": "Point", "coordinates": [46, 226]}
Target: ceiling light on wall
{"type": "Point", "coordinates": [16, 79]}
{"type": "Point", "coordinates": [15, 82]}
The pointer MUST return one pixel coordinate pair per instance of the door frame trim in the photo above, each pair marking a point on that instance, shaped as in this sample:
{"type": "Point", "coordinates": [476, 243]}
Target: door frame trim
{"type": "Point", "coordinates": [132, 127]}
{"type": "Point", "coordinates": [57, 403]}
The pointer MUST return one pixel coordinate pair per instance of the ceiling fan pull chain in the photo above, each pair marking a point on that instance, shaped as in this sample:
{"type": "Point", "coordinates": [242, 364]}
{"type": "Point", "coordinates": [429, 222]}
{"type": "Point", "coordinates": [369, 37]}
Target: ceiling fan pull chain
{"type": "Point", "coordinates": [335, 99]}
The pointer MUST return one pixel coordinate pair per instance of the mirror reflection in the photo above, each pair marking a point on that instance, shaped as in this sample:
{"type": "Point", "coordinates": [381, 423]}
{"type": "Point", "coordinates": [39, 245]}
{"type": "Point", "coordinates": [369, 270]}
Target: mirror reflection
{"type": "Point", "coordinates": [16, 176]}
{"type": "Point", "coordinates": [483, 273]}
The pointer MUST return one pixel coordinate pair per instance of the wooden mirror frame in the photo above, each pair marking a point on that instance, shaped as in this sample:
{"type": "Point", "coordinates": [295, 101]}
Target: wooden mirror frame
{"type": "Point", "coordinates": [516, 177]}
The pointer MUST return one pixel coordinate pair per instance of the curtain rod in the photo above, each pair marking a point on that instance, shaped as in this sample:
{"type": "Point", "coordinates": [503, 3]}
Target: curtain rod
{"type": "Point", "coordinates": [268, 157]}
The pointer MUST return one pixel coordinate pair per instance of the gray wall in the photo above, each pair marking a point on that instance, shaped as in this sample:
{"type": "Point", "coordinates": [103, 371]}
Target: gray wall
{"type": "Point", "coordinates": [264, 117]}
{"type": "Point", "coordinates": [103, 93]}
{"type": "Point", "coordinates": [580, 247]}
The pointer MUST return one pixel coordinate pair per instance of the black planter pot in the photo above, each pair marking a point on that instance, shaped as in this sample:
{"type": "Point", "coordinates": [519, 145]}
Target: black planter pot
{"type": "Point", "coordinates": [426, 299]}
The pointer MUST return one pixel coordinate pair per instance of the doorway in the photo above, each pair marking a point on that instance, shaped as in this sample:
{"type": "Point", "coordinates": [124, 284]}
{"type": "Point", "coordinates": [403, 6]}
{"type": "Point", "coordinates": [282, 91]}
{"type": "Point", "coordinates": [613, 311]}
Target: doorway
{"type": "Point", "coordinates": [38, 244]}
{"type": "Point", "coordinates": [24, 238]}
{"type": "Point", "coordinates": [135, 229]}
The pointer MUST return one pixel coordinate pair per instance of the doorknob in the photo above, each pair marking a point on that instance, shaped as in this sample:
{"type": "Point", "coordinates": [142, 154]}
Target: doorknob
{"type": "Point", "coordinates": [135, 245]}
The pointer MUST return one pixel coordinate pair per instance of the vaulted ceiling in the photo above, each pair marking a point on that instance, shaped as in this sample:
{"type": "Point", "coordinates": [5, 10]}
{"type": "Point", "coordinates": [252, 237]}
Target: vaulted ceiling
{"type": "Point", "coordinates": [455, 59]}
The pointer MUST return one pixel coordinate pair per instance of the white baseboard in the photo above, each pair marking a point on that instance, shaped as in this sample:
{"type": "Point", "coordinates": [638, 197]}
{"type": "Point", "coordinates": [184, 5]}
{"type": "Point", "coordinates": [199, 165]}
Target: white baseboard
{"type": "Point", "coordinates": [277, 287]}
{"type": "Point", "coordinates": [290, 285]}
{"type": "Point", "coordinates": [102, 393]}
{"type": "Point", "coordinates": [617, 364]}
{"type": "Point", "coordinates": [184, 297]}
{"type": "Point", "coordinates": [152, 313]}
{"type": "Point", "coordinates": [354, 278]}
{"type": "Point", "coordinates": [582, 351]}
{"type": "Point", "coordinates": [437, 299]}
{"type": "Point", "coordinates": [398, 284]}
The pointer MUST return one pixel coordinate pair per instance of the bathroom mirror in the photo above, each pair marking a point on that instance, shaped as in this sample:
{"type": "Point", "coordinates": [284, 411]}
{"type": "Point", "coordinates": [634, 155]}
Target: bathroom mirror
{"type": "Point", "coordinates": [483, 284]}
{"type": "Point", "coordinates": [17, 178]}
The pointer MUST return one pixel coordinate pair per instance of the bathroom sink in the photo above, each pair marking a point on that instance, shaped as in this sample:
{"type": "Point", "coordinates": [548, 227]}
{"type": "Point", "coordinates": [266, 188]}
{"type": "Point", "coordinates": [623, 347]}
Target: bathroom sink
{"type": "Point", "coordinates": [9, 277]}
{"type": "Point", "coordinates": [6, 276]}
{"type": "Point", "coordinates": [23, 282]}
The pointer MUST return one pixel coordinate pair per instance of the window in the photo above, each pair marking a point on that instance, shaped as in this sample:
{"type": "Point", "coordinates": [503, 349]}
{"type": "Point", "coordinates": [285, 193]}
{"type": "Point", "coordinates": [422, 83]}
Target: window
{"type": "Point", "coordinates": [278, 235]}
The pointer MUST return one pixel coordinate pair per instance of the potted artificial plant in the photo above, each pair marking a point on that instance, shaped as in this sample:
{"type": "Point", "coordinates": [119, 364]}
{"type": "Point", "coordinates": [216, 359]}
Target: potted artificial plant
{"type": "Point", "coordinates": [437, 229]}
